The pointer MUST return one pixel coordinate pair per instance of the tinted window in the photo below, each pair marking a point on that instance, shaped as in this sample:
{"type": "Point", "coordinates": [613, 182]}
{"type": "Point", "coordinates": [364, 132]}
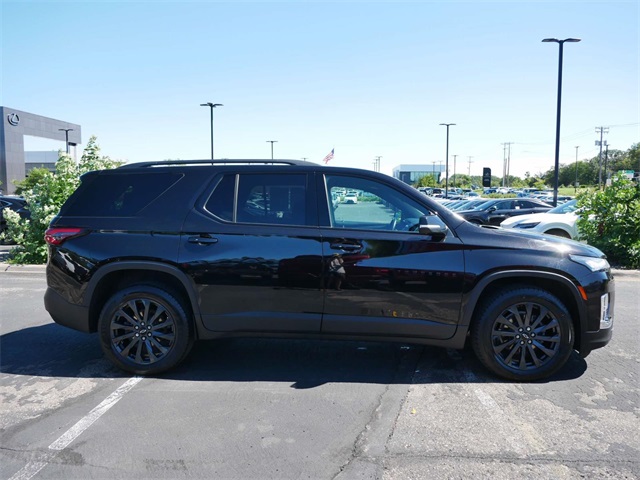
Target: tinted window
{"type": "Point", "coordinates": [378, 206]}
{"type": "Point", "coordinates": [272, 198]}
{"type": "Point", "coordinates": [120, 195]}
{"type": "Point", "coordinates": [504, 205]}
{"type": "Point", "coordinates": [220, 202]}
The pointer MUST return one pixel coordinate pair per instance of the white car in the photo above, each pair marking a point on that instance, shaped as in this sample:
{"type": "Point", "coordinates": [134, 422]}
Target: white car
{"type": "Point", "coordinates": [351, 198]}
{"type": "Point", "coordinates": [559, 221]}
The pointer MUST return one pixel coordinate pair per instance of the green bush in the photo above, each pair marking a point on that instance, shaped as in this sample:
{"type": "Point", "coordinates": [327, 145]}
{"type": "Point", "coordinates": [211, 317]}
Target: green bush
{"type": "Point", "coordinates": [44, 199]}
{"type": "Point", "coordinates": [610, 221]}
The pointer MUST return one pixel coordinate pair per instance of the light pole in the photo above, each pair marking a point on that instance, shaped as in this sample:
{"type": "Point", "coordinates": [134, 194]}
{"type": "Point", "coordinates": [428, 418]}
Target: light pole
{"type": "Point", "coordinates": [272, 142]}
{"type": "Point", "coordinates": [575, 185]}
{"type": "Point", "coordinates": [446, 165]}
{"type": "Point", "coordinates": [66, 136]}
{"type": "Point", "coordinates": [211, 106]}
{"type": "Point", "coordinates": [557, 160]}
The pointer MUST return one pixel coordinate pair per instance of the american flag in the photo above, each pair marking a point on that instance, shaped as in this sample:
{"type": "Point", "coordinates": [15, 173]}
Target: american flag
{"type": "Point", "coordinates": [328, 157]}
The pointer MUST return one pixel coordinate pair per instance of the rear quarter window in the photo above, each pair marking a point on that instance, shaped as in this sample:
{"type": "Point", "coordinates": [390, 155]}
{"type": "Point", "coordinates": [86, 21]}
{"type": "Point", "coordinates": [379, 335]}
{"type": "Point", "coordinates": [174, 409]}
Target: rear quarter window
{"type": "Point", "coordinates": [118, 195]}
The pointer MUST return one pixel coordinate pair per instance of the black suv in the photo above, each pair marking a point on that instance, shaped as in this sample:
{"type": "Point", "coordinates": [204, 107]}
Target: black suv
{"type": "Point", "coordinates": [153, 256]}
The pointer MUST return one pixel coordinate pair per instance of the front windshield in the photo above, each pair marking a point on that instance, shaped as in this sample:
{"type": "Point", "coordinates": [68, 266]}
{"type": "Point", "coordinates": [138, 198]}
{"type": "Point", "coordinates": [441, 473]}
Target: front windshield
{"type": "Point", "coordinates": [570, 206]}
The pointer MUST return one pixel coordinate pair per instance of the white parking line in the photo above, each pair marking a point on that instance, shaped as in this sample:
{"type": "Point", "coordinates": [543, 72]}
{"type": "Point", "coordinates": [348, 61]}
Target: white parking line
{"type": "Point", "coordinates": [32, 468]}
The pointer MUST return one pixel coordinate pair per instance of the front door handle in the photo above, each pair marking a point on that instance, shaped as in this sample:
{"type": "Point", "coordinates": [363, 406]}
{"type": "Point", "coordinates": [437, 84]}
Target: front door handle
{"type": "Point", "coordinates": [201, 240]}
{"type": "Point", "coordinates": [347, 247]}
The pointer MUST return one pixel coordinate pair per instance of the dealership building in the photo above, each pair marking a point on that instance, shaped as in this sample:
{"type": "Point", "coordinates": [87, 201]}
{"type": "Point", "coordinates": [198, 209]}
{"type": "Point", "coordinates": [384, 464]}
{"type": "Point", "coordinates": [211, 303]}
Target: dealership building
{"type": "Point", "coordinates": [15, 163]}
{"type": "Point", "coordinates": [410, 174]}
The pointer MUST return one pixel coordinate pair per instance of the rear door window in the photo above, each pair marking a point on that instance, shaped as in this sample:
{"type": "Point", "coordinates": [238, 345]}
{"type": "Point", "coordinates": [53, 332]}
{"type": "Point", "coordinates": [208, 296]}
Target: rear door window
{"type": "Point", "coordinates": [279, 199]}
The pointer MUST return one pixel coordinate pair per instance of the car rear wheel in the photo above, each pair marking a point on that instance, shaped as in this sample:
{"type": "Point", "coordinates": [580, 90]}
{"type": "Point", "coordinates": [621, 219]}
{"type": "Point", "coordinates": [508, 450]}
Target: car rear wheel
{"type": "Point", "coordinates": [145, 330]}
{"type": "Point", "coordinates": [523, 334]}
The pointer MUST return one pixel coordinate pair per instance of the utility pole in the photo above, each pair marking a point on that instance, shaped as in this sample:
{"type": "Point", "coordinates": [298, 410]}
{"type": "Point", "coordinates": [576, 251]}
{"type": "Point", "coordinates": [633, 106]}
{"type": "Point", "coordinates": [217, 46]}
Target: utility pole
{"type": "Point", "coordinates": [508, 162]}
{"type": "Point", "coordinates": [575, 185]}
{"type": "Point", "coordinates": [470, 162]}
{"type": "Point", "coordinates": [601, 131]}
{"type": "Point", "coordinates": [376, 163]}
{"type": "Point", "coordinates": [606, 157]}
{"type": "Point", "coordinates": [454, 170]}
{"type": "Point", "coordinates": [505, 162]}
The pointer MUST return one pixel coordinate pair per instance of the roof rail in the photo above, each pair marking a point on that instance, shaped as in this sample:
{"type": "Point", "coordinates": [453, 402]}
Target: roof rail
{"type": "Point", "coordinates": [226, 161]}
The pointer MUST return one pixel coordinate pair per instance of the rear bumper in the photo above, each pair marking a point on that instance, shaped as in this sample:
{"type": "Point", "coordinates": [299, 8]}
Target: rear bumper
{"type": "Point", "coordinates": [65, 313]}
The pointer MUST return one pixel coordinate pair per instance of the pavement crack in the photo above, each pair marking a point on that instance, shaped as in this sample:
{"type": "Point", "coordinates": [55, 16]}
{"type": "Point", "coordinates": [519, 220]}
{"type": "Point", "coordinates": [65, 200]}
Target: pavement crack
{"type": "Point", "coordinates": [370, 444]}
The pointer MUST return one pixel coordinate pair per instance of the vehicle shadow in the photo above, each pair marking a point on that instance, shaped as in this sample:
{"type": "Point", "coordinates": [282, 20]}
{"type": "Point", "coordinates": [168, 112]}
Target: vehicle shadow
{"type": "Point", "coordinates": [54, 351]}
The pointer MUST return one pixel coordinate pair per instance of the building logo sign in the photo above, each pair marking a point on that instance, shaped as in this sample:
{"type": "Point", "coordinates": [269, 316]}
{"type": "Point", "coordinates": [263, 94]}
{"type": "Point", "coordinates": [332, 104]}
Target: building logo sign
{"type": "Point", "coordinates": [13, 119]}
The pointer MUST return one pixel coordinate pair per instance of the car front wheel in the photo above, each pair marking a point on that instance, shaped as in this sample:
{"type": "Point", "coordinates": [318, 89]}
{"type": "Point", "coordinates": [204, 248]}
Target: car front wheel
{"type": "Point", "coordinates": [523, 334]}
{"type": "Point", "coordinates": [145, 330]}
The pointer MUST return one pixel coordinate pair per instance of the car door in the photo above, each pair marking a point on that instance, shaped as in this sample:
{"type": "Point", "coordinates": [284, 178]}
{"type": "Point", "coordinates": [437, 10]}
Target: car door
{"type": "Point", "coordinates": [500, 211]}
{"type": "Point", "coordinates": [252, 247]}
{"type": "Point", "coordinates": [382, 277]}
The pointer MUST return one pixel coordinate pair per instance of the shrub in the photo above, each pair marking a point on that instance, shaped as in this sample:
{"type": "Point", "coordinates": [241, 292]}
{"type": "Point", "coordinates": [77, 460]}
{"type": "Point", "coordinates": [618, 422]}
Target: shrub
{"type": "Point", "coordinates": [610, 221]}
{"type": "Point", "coordinates": [44, 200]}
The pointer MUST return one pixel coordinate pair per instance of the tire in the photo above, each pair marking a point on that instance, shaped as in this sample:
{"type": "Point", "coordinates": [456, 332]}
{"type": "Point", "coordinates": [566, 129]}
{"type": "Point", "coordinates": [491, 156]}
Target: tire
{"type": "Point", "coordinates": [558, 233]}
{"type": "Point", "coordinates": [523, 333]}
{"type": "Point", "coordinates": [127, 340]}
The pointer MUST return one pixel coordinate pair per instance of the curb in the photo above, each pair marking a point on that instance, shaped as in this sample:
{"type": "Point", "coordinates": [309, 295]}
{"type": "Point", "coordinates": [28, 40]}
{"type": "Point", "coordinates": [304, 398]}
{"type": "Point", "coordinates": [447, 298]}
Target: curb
{"type": "Point", "coordinates": [7, 268]}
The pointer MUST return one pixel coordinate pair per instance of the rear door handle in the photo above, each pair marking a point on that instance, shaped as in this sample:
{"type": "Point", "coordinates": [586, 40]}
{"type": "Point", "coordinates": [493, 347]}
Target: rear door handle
{"type": "Point", "coordinates": [347, 247]}
{"type": "Point", "coordinates": [201, 240]}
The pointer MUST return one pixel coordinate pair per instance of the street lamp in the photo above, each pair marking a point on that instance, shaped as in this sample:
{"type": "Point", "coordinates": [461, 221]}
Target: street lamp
{"type": "Point", "coordinates": [66, 136]}
{"type": "Point", "coordinates": [272, 142]}
{"type": "Point", "coordinates": [446, 166]}
{"type": "Point", "coordinates": [557, 160]}
{"type": "Point", "coordinates": [211, 106]}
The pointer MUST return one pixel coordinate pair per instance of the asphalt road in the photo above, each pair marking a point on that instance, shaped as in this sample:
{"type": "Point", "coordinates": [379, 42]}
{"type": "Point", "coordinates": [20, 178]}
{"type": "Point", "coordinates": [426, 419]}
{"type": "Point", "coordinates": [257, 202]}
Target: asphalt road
{"type": "Point", "coordinates": [248, 408]}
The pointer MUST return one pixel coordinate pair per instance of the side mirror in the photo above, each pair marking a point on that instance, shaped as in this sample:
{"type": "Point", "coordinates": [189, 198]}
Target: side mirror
{"type": "Point", "coordinates": [492, 208]}
{"type": "Point", "coordinates": [436, 231]}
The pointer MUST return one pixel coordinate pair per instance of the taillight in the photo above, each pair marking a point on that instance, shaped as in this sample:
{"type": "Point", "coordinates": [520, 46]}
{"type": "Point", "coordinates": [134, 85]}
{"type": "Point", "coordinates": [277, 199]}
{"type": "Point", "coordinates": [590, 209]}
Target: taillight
{"type": "Point", "coordinates": [57, 236]}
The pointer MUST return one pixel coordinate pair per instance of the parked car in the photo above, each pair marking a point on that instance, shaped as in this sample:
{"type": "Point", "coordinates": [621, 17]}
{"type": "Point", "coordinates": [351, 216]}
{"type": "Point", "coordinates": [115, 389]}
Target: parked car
{"type": "Point", "coordinates": [495, 211]}
{"type": "Point", "coordinates": [351, 198]}
{"type": "Point", "coordinates": [15, 203]}
{"type": "Point", "coordinates": [559, 221]}
{"type": "Point", "coordinates": [153, 256]}
{"type": "Point", "coordinates": [460, 205]}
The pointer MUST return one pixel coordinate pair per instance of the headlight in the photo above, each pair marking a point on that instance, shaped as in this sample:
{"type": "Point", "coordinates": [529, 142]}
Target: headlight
{"type": "Point", "coordinates": [592, 263]}
{"type": "Point", "coordinates": [526, 225]}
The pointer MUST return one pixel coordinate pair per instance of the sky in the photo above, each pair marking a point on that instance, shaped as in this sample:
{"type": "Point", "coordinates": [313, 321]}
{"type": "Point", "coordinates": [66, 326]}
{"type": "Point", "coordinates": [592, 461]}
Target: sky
{"type": "Point", "coordinates": [364, 78]}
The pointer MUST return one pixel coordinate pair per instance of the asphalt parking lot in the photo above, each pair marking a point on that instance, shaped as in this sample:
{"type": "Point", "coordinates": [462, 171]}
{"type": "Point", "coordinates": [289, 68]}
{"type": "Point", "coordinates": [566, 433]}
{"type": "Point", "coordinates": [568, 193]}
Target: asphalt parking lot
{"type": "Point", "coordinates": [251, 408]}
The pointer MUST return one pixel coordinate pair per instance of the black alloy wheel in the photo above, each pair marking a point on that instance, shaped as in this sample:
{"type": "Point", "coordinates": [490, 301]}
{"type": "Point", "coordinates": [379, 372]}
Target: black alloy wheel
{"type": "Point", "coordinates": [523, 334]}
{"type": "Point", "coordinates": [145, 330]}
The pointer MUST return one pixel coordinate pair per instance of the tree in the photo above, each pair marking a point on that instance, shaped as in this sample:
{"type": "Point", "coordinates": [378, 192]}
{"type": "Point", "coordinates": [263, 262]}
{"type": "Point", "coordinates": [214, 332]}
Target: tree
{"type": "Point", "coordinates": [426, 181]}
{"type": "Point", "coordinates": [44, 200]}
{"type": "Point", "coordinates": [610, 220]}
{"type": "Point", "coordinates": [34, 178]}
